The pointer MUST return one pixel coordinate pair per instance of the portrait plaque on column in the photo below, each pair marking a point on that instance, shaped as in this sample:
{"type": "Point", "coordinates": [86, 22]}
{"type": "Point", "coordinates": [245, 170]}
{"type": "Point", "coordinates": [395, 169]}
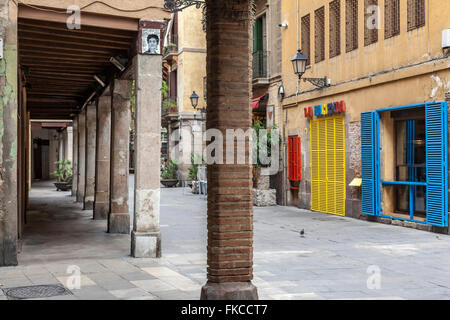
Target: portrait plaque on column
{"type": "Point", "coordinates": [151, 35]}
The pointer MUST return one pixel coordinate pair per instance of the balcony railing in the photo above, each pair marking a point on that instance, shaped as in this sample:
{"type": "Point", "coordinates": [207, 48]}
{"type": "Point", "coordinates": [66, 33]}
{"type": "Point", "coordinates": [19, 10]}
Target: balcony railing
{"type": "Point", "coordinates": [260, 64]}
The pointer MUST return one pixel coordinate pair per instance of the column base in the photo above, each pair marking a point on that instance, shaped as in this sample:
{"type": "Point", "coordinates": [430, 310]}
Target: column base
{"type": "Point", "coordinates": [101, 211]}
{"type": "Point", "coordinates": [229, 291]}
{"type": "Point", "coordinates": [8, 253]}
{"type": "Point", "coordinates": [146, 245]}
{"type": "Point", "coordinates": [88, 204]}
{"type": "Point", "coordinates": [119, 223]}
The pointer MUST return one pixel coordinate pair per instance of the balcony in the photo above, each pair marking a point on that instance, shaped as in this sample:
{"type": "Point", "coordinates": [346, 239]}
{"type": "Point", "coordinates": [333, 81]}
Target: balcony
{"type": "Point", "coordinates": [260, 67]}
{"type": "Point", "coordinates": [169, 106]}
{"type": "Point", "coordinates": [172, 48]}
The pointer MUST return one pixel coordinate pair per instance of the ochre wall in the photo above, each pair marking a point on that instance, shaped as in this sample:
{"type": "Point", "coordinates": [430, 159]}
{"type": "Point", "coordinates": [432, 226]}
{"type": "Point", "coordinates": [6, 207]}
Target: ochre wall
{"type": "Point", "coordinates": [406, 69]}
{"type": "Point", "coordinates": [192, 58]}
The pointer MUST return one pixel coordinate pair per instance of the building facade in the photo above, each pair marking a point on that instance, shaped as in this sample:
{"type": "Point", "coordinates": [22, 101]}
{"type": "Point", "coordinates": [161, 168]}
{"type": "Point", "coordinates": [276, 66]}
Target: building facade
{"type": "Point", "coordinates": [374, 140]}
{"type": "Point", "coordinates": [184, 72]}
{"type": "Point", "coordinates": [266, 83]}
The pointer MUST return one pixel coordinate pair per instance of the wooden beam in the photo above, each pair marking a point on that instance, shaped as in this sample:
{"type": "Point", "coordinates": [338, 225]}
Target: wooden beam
{"type": "Point", "coordinates": [58, 57]}
{"type": "Point", "coordinates": [67, 69]}
{"type": "Point", "coordinates": [31, 32]}
{"type": "Point", "coordinates": [74, 79]}
{"type": "Point", "coordinates": [54, 93]}
{"type": "Point", "coordinates": [87, 19]}
{"type": "Point", "coordinates": [63, 64]}
{"type": "Point", "coordinates": [43, 25]}
{"type": "Point", "coordinates": [66, 49]}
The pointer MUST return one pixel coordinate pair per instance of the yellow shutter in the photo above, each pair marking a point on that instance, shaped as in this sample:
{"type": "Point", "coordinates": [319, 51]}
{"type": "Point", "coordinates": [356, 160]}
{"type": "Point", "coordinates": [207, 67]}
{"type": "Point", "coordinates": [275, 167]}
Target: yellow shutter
{"type": "Point", "coordinates": [328, 191]}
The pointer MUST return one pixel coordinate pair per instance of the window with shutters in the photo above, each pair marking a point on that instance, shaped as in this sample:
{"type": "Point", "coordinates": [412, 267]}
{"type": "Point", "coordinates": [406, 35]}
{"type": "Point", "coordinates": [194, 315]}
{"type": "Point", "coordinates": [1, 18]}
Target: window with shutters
{"type": "Point", "coordinates": [335, 28]}
{"type": "Point", "coordinates": [411, 181]}
{"type": "Point", "coordinates": [371, 22]}
{"type": "Point", "coordinates": [416, 14]}
{"type": "Point", "coordinates": [260, 48]}
{"type": "Point", "coordinates": [391, 18]}
{"type": "Point", "coordinates": [351, 25]}
{"type": "Point", "coordinates": [319, 30]}
{"type": "Point", "coordinates": [294, 156]}
{"type": "Point", "coordinates": [306, 37]}
{"type": "Point", "coordinates": [328, 187]}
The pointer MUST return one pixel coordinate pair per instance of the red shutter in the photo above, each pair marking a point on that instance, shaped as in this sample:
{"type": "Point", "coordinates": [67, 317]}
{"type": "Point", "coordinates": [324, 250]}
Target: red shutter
{"type": "Point", "coordinates": [294, 157]}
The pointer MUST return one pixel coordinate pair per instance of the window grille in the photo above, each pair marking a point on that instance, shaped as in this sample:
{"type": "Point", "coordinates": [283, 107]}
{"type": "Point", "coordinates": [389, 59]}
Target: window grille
{"type": "Point", "coordinates": [391, 18]}
{"type": "Point", "coordinates": [351, 17]}
{"type": "Point", "coordinates": [306, 37]}
{"type": "Point", "coordinates": [335, 28]}
{"type": "Point", "coordinates": [416, 14]}
{"type": "Point", "coordinates": [370, 26]}
{"type": "Point", "coordinates": [319, 30]}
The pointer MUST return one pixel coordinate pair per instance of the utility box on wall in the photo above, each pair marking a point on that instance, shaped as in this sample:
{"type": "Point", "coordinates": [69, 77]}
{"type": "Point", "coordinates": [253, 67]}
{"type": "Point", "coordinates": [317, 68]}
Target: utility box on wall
{"type": "Point", "coordinates": [446, 39]}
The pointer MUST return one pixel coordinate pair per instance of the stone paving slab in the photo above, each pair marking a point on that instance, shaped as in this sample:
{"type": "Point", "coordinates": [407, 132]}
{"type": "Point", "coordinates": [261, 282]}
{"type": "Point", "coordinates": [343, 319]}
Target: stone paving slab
{"type": "Point", "coordinates": [331, 261]}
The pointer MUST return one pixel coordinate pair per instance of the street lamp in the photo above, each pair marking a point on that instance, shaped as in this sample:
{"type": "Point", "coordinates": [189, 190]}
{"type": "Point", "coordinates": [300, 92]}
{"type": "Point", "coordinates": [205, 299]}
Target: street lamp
{"type": "Point", "coordinates": [299, 64]}
{"type": "Point", "coordinates": [194, 99]}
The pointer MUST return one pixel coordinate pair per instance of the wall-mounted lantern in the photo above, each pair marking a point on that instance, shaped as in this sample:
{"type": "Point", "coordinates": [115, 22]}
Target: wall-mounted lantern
{"type": "Point", "coordinates": [194, 101]}
{"type": "Point", "coordinates": [299, 64]}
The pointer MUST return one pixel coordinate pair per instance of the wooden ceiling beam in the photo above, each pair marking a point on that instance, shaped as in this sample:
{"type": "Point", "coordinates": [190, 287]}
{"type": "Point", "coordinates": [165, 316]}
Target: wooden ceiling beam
{"type": "Point", "coordinates": [63, 64]}
{"type": "Point", "coordinates": [54, 93]}
{"type": "Point", "coordinates": [87, 19]}
{"type": "Point", "coordinates": [67, 34]}
{"type": "Point", "coordinates": [90, 31]}
{"type": "Point", "coordinates": [60, 58]}
{"type": "Point", "coordinates": [55, 77]}
{"type": "Point", "coordinates": [66, 69]}
{"type": "Point", "coordinates": [87, 43]}
{"type": "Point", "coordinates": [60, 74]}
{"type": "Point", "coordinates": [77, 50]}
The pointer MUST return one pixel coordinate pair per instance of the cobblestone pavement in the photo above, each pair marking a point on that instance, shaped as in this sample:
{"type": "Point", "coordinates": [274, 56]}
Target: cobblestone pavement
{"type": "Point", "coordinates": [336, 258]}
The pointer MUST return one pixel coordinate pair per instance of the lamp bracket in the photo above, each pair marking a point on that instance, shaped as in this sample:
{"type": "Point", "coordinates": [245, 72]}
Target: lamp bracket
{"type": "Point", "coordinates": [178, 5]}
{"type": "Point", "coordinates": [318, 82]}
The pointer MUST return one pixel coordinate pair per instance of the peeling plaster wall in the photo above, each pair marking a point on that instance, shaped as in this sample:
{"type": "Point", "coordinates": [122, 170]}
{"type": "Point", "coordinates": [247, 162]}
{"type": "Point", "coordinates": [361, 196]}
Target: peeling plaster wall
{"type": "Point", "coordinates": [8, 135]}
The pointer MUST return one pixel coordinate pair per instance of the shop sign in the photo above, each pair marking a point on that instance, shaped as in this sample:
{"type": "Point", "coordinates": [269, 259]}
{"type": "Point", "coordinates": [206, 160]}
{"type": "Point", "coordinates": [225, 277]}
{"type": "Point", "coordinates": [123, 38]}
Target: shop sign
{"type": "Point", "coordinates": [325, 109]}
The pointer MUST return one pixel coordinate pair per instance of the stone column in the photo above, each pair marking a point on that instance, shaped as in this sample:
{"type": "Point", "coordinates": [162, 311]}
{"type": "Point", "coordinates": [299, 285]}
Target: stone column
{"type": "Point", "coordinates": [146, 235]}
{"type": "Point", "coordinates": [103, 169]}
{"type": "Point", "coordinates": [8, 135]}
{"type": "Point", "coordinates": [69, 145]}
{"type": "Point", "coordinates": [75, 157]}
{"type": "Point", "coordinates": [91, 140]}
{"type": "Point", "coordinates": [230, 208]}
{"type": "Point", "coordinates": [119, 217]}
{"type": "Point", "coordinates": [81, 155]}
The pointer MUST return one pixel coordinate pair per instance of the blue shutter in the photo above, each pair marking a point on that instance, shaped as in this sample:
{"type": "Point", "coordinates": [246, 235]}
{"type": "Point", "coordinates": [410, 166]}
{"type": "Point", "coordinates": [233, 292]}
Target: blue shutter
{"type": "Point", "coordinates": [437, 176]}
{"type": "Point", "coordinates": [369, 155]}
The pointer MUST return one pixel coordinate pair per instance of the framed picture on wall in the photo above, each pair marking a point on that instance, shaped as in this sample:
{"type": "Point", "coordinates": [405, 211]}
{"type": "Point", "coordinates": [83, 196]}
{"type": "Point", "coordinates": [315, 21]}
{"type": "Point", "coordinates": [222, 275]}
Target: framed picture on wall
{"type": "Point", "coordinates": [151, 41]}
{"type": "Point", "coordinates": [151, 37]}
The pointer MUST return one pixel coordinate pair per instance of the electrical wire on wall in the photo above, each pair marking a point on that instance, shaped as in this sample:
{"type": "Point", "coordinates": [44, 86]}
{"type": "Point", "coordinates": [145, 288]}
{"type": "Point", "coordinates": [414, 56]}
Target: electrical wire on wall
{"type": "Point", "coordinates": [17, 2]}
